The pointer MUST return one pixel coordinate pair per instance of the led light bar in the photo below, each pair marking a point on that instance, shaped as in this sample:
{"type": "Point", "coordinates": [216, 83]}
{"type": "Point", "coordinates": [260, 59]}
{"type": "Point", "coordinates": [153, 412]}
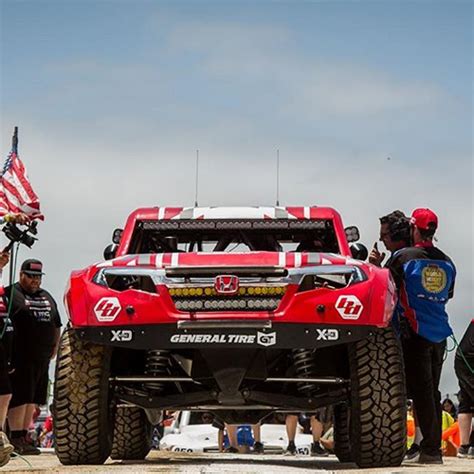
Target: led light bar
{"type": "Point", "coordinates": [231, 304]}
{"type": "Point", "coordinates": [209, 224]}
{"type": "Point", "coordinates": [206, 291]}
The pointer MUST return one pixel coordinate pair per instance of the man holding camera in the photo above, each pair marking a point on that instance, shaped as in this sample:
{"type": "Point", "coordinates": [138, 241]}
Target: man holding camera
{"type": "Point", "coordinates": [37, 323]}
{"type": "Point", "coordinates": [6, 329]}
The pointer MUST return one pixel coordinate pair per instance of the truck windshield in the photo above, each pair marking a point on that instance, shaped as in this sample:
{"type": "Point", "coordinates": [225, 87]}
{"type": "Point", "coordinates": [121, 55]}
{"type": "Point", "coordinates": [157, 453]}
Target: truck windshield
{"type": "Point", "coordinates": [234, 236]}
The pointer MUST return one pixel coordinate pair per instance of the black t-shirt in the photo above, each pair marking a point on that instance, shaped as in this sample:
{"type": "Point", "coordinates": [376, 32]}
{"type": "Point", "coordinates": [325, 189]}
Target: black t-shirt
{"type": "Point", "coordinates": [35, 318]}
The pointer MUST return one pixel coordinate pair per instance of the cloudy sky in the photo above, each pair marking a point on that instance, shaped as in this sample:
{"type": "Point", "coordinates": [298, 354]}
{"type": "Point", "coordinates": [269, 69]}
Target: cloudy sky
{"type": "Point", "coordinates": [369, 103]}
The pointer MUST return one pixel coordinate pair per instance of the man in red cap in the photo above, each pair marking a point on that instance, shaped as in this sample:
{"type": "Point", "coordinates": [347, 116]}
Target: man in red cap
{"type": "Point", "coordinates": [425, 280]}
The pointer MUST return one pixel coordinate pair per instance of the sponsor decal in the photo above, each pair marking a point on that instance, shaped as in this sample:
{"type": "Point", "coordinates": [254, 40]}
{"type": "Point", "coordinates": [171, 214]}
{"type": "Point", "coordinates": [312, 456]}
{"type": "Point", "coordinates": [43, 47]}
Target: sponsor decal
{"type": "Point", "coordinates": [260, 338]}
{"type": "Point", "coordinates": [433, 279]}
{"type": "Point", "coordinates": [107, 309]}
{"type": "Point", "coordinates": [265, 339]}
{"type": "Point", "coordinates": [303, 450]}
{"type": "Point", "coordinates": [349, 307]}
{"type": "Point", "coordinates": [327, 335]}
{"type": "Point", "coordinates": [226, 284]}
{"type": "Point", "coordinates": [121, 335]}
{"type": "Point", "coordinates": [179, 449]}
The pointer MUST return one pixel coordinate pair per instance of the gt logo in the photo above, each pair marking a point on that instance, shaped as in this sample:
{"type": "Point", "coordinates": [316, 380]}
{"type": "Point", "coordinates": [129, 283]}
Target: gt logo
{"type": "Point", "coordinates": [327, 335]}
{"type": "Point", "coordinates": [121, 335]}
{"type": "Point", "coordinates": [349, 307]}
{"type": "Point", "coordinates": [107, 309]}
{"type": "Point", "coordinates": [266, 339]}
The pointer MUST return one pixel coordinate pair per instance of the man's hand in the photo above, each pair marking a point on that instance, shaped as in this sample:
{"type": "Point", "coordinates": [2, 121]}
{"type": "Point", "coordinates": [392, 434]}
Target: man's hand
{"type": "Point", "coordinates": [19, 218]}
{"type": "Point", "coordinates": [375, 257]}
{"type": "Point", "coordinates": [4, 259]}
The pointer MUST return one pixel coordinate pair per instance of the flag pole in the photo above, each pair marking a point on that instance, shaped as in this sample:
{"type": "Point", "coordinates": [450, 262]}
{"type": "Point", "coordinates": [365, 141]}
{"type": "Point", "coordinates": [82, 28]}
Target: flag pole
{"type": "Point", "coordinates": [15, 141]}
{"type": "Point", "coordinates": [10, 245]}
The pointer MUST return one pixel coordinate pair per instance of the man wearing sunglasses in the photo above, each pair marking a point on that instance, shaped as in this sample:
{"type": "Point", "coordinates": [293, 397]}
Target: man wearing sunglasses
{"type": "Point", "coordinates": [36, 323]}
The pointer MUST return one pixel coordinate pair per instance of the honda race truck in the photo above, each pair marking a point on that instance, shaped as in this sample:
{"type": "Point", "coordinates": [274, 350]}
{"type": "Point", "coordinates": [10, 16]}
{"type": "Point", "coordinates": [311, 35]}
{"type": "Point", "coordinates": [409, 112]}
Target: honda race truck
{"type": "Point", "coordinates": [240, 312]}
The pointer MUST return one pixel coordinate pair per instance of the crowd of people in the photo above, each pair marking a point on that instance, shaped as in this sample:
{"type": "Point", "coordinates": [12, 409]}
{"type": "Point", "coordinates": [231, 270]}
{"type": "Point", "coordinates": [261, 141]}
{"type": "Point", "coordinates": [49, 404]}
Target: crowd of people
{"type": "Point", "coordinates": [424, 276]}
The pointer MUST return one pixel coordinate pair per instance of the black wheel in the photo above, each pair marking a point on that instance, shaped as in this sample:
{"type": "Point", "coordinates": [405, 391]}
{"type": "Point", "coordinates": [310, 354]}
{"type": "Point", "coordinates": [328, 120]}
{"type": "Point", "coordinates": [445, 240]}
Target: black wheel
{"type": "Point", "coordinates": [82, 424]}
{"type": "Point", "coordinates": [342, 444]}
{"type": "Point", "coordinates": [378, 400]}
{"type": "Point", "coordinates": [132, 434]}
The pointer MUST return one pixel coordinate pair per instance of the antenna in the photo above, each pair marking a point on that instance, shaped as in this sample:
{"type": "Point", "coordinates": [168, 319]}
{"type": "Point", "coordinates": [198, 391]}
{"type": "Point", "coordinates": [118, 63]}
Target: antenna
{"type": "Point", "coordinates": [15, 141]}
{"type": "Point", "coordinates": [278, 178]}
{"type": "Point", "coordinates": [197, 179]}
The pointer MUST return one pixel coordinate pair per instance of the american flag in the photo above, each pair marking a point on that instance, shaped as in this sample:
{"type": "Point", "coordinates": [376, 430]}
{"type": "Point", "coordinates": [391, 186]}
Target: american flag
{"type": "Point", "coordinates": [16, 193]}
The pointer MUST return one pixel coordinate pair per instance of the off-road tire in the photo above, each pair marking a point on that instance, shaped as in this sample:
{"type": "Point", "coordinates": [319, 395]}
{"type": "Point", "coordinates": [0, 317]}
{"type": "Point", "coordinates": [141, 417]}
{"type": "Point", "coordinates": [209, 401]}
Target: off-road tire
{"type": "Point", "coordinates": [378, 400]}
{"type": "Point", "coordinates": [342, 444]}
{"type": "Point", "coordinates": [132, 434]}
{"type": "Point", "coordinates": [82, 424]}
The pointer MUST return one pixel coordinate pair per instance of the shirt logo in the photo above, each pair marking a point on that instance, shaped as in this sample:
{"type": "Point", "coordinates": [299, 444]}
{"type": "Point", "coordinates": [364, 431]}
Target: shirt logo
{"type": "Point", "coordinates": [107, 309]}
{"type": "Point", "coordinates": [349, 307]}
{"type": "Point", "coordinates": [433, 279]}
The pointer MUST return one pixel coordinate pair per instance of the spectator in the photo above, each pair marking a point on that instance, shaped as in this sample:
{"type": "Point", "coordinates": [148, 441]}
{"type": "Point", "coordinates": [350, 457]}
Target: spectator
{"type": "Point", "coordinates": [395, 235]}
{"type": "Point", "coordinates": [449, 407]}
{"type": "Point", "coordinates": [316, 429]}
{"type": "Point", "coordinates": [424, 276]}
{"type": "Point", "coordinates": [45, 438]}
{"type": "Point", "coordinates": [37, 324]}
{"type": "Point", "coordinates": [257, 445]}
{"type": "Point", "coordinates": [464, 368]}
{"type": "Point", "coordinates": [6, 328]}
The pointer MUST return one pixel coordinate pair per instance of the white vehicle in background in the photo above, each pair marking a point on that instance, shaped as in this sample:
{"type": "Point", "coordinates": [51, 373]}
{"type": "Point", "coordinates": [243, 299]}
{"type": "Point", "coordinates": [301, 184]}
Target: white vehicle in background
{"type": "Point", "coordinates": [189, 434]}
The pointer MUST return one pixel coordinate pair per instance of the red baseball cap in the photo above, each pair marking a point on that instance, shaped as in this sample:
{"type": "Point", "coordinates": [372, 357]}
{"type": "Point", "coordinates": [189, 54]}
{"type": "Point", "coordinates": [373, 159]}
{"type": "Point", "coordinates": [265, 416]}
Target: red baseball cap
{"type": "Point", "coordinates": [423, 217]}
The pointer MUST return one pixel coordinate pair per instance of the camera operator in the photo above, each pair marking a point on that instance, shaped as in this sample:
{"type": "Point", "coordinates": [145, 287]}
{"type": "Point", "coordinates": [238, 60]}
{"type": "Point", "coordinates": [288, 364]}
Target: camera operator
{"type": "Point", "coordinates": [36, 323]}
{"type": "Point", "coordinates": [6, 448]}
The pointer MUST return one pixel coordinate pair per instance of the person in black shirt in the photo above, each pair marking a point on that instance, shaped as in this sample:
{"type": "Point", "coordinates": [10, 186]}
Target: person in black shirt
{"type": "Point", "coordinates": [424, 276]}
{"type": "Point", "coordinates": [395, 235]}
{"type": "Point", "coordinates": [36, 323]}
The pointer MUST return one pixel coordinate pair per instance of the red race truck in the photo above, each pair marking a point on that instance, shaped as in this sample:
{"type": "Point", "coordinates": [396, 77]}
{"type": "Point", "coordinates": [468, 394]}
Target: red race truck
{"type": "Point", "coordinates": [239, 311]}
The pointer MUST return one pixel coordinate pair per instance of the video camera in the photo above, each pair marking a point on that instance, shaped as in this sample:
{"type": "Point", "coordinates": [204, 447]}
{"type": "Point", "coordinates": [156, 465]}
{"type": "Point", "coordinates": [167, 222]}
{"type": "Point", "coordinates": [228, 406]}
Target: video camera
{"type": "Point", "coordinates": [24, 236]}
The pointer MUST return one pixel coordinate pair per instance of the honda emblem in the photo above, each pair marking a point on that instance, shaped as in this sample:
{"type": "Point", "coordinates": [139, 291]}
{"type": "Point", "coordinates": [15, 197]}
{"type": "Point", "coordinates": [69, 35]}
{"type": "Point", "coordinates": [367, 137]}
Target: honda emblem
{"type": "Point", "coordinates": [226, 284]}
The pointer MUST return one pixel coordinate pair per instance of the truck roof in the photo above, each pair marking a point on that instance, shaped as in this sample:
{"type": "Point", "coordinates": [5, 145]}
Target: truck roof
{"type": "Point", "coordinates": [241, 212]}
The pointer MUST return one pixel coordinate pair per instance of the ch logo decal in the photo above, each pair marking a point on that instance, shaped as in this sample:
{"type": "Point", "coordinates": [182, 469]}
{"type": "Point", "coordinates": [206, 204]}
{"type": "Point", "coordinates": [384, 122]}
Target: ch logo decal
{"type": "Point", "coordinates": [349, 307]}
{"type": "Point", "coordinates": [107, 309]}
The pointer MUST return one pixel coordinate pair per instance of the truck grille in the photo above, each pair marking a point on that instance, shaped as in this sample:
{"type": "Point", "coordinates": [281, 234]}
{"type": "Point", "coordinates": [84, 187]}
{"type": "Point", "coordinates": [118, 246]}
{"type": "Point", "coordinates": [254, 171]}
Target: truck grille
{"type": "Point", "coordinates": [206, 298]}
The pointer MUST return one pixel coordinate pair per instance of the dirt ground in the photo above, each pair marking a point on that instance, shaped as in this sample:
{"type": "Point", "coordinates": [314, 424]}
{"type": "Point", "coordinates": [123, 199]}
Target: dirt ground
{"type": "Point", "coordinates": [167, 462]}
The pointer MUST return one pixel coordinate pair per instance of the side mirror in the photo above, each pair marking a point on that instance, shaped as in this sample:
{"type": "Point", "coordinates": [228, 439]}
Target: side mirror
{"type": "Point", "coordinates": [110, 251]}
{"type": "Point", "coordinates": [359, 251]}
{"type": "Point", "coordinates": [352, 234]}
{"type": "Point", "coordinates": [117, 235]}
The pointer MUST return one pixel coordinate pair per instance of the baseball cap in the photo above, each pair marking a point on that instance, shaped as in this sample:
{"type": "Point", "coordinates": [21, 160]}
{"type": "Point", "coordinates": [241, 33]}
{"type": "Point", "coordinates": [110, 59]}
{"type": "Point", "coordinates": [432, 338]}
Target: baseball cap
{"type": "Point", "coordinates": [423, 217]}
{"type": "Point", "coordinates": [32, 267]}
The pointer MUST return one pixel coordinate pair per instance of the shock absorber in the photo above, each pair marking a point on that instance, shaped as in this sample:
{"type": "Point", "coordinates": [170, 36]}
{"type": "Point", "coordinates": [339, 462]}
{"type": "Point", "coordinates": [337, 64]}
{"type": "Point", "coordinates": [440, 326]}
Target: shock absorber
{"type": "Point", "coordinates": [157, 363]}
{"type": "Point", "coordinates": [305, 368]}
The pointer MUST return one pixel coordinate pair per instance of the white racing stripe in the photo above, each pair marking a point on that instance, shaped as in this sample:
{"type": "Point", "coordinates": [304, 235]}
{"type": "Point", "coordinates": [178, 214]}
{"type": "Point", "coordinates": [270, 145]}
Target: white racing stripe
{"type": "Point", "coordinates": [282, 259]}
{"type": "Point", "coordinates": [297, 260]}
{"type": "Point", "coordinates": [174, 259]}
{"type": "Point", "coordinates": [161, 212]}
{"type": "Point", "coordinates": [159, 260]}
{"type": "Point", "coordinates": [306, 212]}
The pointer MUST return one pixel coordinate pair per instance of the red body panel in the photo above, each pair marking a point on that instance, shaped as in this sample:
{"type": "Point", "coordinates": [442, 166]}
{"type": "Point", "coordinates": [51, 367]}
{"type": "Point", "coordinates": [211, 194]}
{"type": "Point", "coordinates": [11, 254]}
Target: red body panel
{"type": "Point", "coordinates": [374, 298]}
